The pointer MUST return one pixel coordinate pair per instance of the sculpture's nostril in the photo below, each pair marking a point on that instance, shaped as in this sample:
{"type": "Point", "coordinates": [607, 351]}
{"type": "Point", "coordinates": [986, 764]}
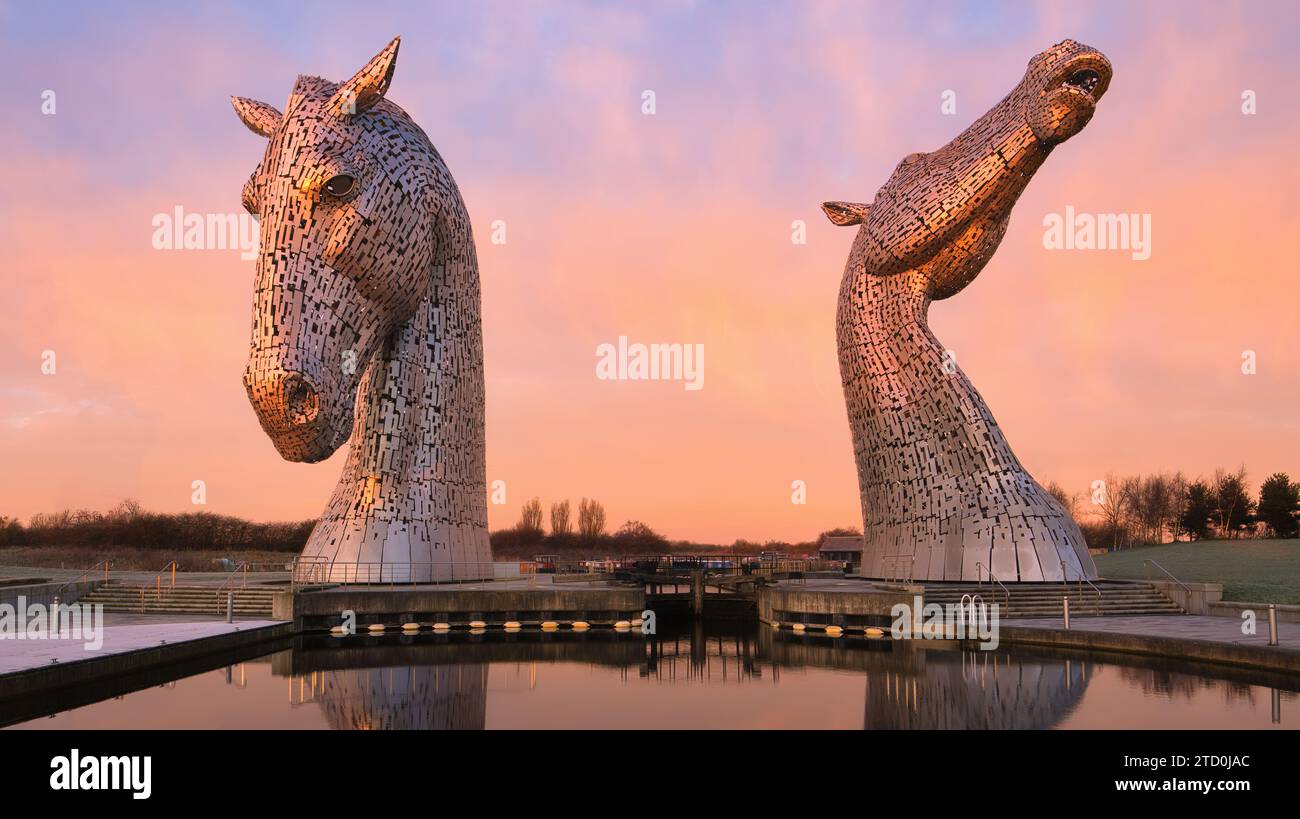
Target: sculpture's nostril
{"type": "Point", "coordinates": [300, 400]}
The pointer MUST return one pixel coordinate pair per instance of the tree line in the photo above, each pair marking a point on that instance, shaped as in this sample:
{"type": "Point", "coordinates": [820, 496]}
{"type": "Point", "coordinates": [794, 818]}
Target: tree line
{"type": "Point", "coordinates": [1123, 511]}
{"type": "Point", "coordinates": [128, 525]}
{"type": "Point", "coordinates": [586, 536]}
{"type": "Point", "coordinates": [1117, 512]}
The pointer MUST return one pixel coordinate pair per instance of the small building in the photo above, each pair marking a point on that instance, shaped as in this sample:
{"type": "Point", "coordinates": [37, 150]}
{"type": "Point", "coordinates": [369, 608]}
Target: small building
{"type": "Point", "coordinates": [847, 550]}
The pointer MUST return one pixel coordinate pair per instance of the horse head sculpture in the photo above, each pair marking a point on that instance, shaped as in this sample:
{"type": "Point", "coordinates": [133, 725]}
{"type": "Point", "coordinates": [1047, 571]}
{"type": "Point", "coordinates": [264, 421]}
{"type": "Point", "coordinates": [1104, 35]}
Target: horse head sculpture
{"type": "Point", "coordinates": [943, 496]}
{"type": "Point", "coordinates": [366, 326]}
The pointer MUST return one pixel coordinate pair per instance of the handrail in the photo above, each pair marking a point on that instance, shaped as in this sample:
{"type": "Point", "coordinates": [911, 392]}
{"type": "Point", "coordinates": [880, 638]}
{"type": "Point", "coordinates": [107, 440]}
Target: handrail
{"type": "Point", "coordinates": [978, 615]}
{"type": "Point", "coordinates": [157, 582]}
{"type": "Point", "coordinates": [157, 579]}
{"type": "Point", "coordinates": [106, 563]}
{"type": "Point", "coordinates": [320, 570]}
{"type": "Point", "coordinates": [979, 581]}
{"type": "Point", "coordinates": [1167, 574]}
{"type": "Point", "coordinates": [1065, 579]}
{"type": "Point", "coordinates": [243, 565]}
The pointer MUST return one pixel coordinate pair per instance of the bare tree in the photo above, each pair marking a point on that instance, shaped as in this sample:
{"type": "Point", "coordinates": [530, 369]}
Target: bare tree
{"type": "Point", "coordinates": [1069, 502]}
{"type": "Point", "coordinates": [591, 518]}
{"type": "Point", "coordinates": [1151, 506]}
{"type": "Point", "coordinates": [530, 517]}
{"type": "Point", "coordinates": [561, 522]}
{"type": "Point", "coordinates": [1115, 499]}
{"type": "Point", "coordinates": [1177, 503]}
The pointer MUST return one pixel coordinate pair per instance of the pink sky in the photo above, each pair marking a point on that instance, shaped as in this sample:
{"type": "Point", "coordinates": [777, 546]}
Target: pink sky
{"type": "Point", "coordinates": [667, 228]}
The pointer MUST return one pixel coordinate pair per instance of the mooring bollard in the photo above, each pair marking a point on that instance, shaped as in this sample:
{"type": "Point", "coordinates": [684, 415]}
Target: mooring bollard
{"type": "Point", "coordinates": [1065, 609]}
{"type": "Point", "coordinates": [230, 607]}
{"type": "Point", "coordinates": [1272, 624]}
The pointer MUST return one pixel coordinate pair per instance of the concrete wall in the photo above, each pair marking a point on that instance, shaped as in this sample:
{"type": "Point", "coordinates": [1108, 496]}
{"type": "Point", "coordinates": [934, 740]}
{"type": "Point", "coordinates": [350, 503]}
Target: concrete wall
{"type": "Point", "coordinates": [44, 593]}
{"type": "Point", "coordinates": [1196, 601]}
{"type": "Point", "coordinates": [873, 602]}
{"type": "Point", "coordinates": [35, 691]}
{"type": "Point", "coordinates": [323, 608]}
{"type": "Point", "coordinates": [1209, 651]}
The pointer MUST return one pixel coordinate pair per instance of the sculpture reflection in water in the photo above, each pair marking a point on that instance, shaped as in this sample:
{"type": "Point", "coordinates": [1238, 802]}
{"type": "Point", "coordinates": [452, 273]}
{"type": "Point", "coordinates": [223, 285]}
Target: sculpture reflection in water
{"type": "Point", "coordinates": [444, 685]}
{"type": "Point", "coordinates": [976, 690]}
{"type": "Point", "coordinates": [914, 686]}
{"type": "Point", "coordinates": [418, 697]}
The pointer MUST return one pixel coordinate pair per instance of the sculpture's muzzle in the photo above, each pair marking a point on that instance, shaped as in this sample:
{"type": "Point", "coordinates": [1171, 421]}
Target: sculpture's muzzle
{"type": "Point", "coordinates": [1068, 97]}
{"type": "Point", "coordinates": [288, 406]}
{"type": "Point", "coordinates": [303, 367]}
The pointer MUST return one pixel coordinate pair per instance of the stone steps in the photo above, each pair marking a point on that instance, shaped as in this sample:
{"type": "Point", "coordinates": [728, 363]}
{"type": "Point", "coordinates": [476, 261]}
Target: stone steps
{"type": "Point", "coordinates": [1045, 599]}
{"type": "Point", "coordinates": [117, 596]}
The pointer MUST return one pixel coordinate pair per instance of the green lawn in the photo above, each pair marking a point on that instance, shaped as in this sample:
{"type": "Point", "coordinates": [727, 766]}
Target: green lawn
{"type": "Point", "coordinates": [1256, 571]}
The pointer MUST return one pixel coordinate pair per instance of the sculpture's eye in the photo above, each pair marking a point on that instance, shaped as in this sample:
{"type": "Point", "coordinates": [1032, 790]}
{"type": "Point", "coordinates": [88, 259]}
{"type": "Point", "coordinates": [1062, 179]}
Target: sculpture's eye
{"type": "Point", "coordinates": [340, 185]}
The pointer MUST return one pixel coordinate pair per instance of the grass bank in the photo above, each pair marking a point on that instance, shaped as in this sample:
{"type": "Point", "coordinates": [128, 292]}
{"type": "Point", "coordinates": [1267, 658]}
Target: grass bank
{"type": "Point", "coordinates": [1256, 571]}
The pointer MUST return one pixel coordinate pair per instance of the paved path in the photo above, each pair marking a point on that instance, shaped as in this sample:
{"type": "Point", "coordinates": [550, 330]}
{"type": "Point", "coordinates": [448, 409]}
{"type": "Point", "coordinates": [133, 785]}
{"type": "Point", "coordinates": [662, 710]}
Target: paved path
{"type": "Point", "coordinates": [541, 581]}
{"type": "Point", "coordinates": [1185, 627]}
{"type": "Point", "coordinates": [18, 655]}
{"type": "Point", "coordinates": [186, 578]}
{"type": "Point", "coordinates": [836, 585]}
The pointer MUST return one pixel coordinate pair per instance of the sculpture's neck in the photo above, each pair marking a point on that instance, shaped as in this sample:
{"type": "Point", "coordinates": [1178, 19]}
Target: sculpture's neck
{"type": "Point", "coordinates": [903, 386]}
{"type": "Point", "coordinates": [418, 438]}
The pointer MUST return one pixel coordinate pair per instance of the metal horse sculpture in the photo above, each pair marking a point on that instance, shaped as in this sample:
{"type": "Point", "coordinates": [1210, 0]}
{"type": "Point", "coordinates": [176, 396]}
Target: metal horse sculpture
{"type": "Point", "coordinates": [366, 325]}
{"type": "Point", "coordinates": [943, 497]}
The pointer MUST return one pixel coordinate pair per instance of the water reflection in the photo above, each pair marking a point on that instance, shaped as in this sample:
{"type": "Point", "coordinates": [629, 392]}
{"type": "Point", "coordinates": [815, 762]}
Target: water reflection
{"type": "Point", "coordinates": [973, 689]}
{"type": "Point", "coordinates": [420, 697]}
{"type": "Point", "coordinates": [738, 678]}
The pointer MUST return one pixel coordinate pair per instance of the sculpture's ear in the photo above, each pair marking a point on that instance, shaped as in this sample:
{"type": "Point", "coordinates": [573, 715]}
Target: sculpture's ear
{"type": "Point", "coordinates": [358, 94]}
{"type": "Point", "coordinates": [846, 213]}
{"type": "Point", "coordinates": [258, 116]}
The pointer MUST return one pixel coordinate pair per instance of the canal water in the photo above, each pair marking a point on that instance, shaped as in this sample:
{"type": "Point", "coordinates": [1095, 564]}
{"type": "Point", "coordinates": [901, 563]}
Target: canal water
{"type": "Point", "coordinates": [743, 677]}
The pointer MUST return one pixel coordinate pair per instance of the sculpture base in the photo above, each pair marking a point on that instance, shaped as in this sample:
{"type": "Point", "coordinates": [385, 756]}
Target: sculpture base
{"type": "Point", "coordinates": [309, 570]}
{"type": "Point", "coordinates": [375, 550]}
{"type": "Point", "coordinates": [1008, 560]}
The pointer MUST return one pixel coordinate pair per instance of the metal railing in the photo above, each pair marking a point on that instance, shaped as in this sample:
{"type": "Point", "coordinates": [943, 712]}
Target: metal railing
{"type": "Point", "coordinates": [1149, 563]}
{"type": "Point", "coordinates": [973, 611]}
{"type": "Point", "coordinates": [1065, 579]}
{"type": "Point", "coordinates": [107, 564]}
{"type": "Point", "coordinates": [310, 571]}
{"type": "Point", "coordinates": [157, 583]}
{"type": "Point", "coordinates": [979, 580]}
{"type": "Point", "coordinates": [240, 573]}
{"type": "Point", "coordinates": [793, 566]}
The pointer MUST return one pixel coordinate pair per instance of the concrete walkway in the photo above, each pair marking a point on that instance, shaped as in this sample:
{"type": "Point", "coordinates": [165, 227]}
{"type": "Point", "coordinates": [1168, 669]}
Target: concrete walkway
{"type": "Point", "coordinates": [1188, 638]}
{"type": "Point", "coordinates": [1187, 627]}
{"type": "Point", "coordinates": [541, 581]}
{"type": "Point", "coordinates": [20, 655]}
{"type": "Point", "coordinates": [213, 578]}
